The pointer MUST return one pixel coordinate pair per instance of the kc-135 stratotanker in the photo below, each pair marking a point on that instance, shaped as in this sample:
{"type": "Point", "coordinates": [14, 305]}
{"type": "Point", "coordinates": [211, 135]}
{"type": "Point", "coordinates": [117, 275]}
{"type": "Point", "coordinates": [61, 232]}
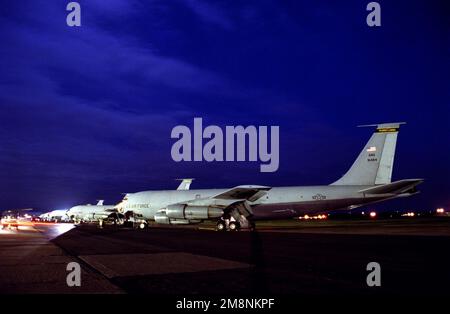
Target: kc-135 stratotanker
{"type": "Point", "coordinates": [366, 182]}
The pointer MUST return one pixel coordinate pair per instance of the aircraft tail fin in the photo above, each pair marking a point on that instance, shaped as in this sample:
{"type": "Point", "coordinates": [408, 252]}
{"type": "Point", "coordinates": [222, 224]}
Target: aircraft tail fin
{"type": "Point", "coordinates": [185, 184]}
{"type": "Point", "coordinates": [375, 162]}
{"type": "Point", "coordinates": [100, 202]}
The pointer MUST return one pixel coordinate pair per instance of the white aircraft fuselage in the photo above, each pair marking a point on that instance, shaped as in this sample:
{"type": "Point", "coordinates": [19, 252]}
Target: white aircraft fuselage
{"type": "Point", "coordinates": [367, 181]}
{"type": "Point", "coordinates": [279, 202]}
{"type": "Point", "coordinates": [89, 212]}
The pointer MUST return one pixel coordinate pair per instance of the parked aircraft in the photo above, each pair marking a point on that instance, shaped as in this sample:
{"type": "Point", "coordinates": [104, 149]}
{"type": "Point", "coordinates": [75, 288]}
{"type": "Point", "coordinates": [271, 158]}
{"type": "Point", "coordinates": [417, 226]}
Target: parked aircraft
{"type": "Point", "coordinates": [366, 182]}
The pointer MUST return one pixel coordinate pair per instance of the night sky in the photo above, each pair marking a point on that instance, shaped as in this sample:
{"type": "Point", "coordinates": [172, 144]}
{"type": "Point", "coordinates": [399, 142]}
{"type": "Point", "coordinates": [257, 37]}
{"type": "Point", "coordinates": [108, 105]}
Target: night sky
{"type": "Point", "coordinates": [86, 112]}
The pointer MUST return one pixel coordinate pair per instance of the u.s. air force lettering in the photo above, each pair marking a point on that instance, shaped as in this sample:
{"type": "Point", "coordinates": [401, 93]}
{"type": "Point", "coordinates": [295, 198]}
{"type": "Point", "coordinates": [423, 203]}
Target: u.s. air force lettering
{"type": "Point", "coordinates": [138, 206]}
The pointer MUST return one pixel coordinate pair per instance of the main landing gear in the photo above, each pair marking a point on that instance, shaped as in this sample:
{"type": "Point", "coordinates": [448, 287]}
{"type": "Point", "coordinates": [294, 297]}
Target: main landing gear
{"type": "Point", "coordinates": [232, 225]}
{"type": "Point", "coordinates": [221, 226]}
{"type": "Point", "coordinates": [236, 219]}
{"type": "Point", "coordinates": [227, 225]}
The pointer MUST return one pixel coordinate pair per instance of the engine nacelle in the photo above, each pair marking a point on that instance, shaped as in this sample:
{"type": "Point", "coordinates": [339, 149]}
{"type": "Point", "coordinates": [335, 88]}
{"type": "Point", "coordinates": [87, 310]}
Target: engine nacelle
{"type": "Point", "coordinates": [160, 218]}
{"type": "Point", "coordinates": [181, 211]}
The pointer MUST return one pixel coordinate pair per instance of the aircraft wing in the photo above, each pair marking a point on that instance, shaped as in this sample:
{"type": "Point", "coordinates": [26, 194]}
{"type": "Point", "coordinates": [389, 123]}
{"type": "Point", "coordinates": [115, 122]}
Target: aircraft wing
{"type": "Point", "coordinates": [237, 198]}
{"type": "Point", "coordinates": [237, 195]}
{"type": "Point", "coordinates": [244, 192]}
{"type": "Point", "coordinates": [397, 187]}
{"type": "Point", "coordinates": [111, 210]}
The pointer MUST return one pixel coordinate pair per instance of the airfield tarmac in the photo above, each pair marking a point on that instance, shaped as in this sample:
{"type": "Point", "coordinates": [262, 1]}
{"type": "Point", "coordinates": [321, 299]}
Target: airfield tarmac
{"type": "Point", "coordinates": [309, 257]}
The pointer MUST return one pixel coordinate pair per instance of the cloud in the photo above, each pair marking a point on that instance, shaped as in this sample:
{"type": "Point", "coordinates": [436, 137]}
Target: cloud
{"type": "Point", "coordinates": [209, 13]}
{"type": "Point", "coordinates": [94, 52]}
{"type": "Point", "coordinates": [85, 104]}
{"type": "Point", "coordinates": [74, 98]}
{"type": "Point", "coordinates": [114, 7]}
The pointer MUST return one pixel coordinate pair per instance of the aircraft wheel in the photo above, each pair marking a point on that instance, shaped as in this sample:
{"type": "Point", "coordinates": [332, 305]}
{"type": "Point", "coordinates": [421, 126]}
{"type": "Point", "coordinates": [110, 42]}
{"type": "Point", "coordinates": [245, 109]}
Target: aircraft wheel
{"type": "Point", "coordinates": [221, 226]}
{"type": "Point", "coordinates": [142, 225]}
{"type": "Point", "coordinates": [234, 226]}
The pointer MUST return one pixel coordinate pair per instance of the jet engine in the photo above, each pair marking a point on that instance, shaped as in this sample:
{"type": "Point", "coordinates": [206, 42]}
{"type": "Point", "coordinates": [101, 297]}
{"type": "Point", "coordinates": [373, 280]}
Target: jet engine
{"type": "Point", "coordinates": [183, 211]}
{"type": "Point", "coordinates": [161, 218]}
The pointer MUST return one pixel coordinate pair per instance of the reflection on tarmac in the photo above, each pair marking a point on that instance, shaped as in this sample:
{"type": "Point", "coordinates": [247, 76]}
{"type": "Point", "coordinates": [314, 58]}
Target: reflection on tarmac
{"type": "Point", "coordinates": [51, 230]}
{"type": "Point", "coordinates": [56, 229]}
{"type": "Point", "coordinates": [31, 263]}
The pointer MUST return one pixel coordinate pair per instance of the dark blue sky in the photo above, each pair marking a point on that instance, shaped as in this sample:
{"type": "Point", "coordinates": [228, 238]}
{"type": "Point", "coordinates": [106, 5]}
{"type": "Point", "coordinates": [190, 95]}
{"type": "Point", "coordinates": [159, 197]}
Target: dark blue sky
{"type": "Point", "coordinates": [86, 113]}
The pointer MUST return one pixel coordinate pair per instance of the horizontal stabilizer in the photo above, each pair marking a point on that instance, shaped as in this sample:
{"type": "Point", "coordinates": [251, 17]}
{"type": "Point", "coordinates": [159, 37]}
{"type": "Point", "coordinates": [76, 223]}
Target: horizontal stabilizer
{"type": "Point", "coordinates": [396, 187]}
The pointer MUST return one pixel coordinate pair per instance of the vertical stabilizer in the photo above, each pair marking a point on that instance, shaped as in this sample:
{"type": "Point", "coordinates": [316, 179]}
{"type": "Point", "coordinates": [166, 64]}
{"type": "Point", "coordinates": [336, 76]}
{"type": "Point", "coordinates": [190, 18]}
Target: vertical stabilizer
{"type": "Point", "coordinates": [375, 162]}
{"type": "Point", "coordinates": [185, 184]}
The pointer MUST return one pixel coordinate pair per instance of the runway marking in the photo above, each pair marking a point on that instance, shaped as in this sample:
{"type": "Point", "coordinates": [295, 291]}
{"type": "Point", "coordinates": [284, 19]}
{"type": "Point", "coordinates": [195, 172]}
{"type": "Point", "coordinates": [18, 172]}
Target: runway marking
{"type": "Point", "coordinates": [120, 265]}
{"type": "Point", "coordinates": [29, 263]}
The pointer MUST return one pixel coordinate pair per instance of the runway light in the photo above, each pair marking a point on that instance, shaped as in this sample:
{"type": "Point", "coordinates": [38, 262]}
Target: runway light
{"type": "Point", "coordinates": [440, 210]}
{"type": "Point", "coordinates": [373, 214]}
{"type": "Point", "coordinates": [316, 217]}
